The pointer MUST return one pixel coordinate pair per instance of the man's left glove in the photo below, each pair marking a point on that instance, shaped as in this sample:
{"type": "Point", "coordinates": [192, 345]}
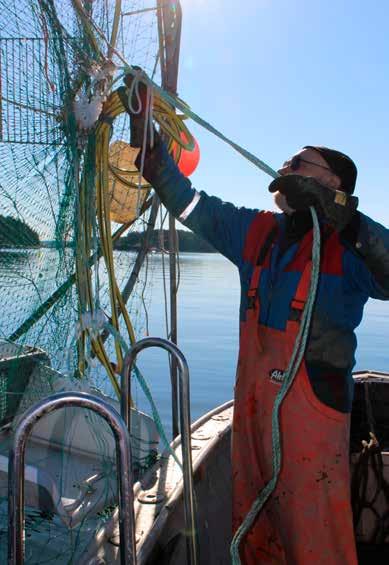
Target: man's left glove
{"type": "Point", "coordinates": [142, 132]}
{"type": "Point", "coordinates": [333, 206]}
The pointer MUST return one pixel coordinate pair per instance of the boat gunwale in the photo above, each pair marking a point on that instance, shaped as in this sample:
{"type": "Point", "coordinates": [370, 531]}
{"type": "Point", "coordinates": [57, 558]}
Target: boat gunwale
{"type": "Point", "coordinates": [146, 538]}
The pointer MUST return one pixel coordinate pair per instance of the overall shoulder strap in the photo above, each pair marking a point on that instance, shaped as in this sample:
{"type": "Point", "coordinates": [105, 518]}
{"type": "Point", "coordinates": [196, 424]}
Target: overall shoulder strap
{"type": "Point", "coordinates": [258, 232]}
{"type": "Point", "coordinates": [298, 302]}
{"type": "Point", "coordinates": [263, 249]}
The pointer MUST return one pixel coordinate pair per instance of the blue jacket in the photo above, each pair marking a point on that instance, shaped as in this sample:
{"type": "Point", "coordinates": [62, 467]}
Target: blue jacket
{"type": "Point", "coordinates": [329, 356]}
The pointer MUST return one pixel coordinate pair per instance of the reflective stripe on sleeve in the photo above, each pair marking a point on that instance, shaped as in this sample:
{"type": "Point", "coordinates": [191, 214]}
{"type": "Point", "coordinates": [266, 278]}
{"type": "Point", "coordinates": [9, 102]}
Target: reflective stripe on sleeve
{"type": "Point", "coordinates": [189, 209]}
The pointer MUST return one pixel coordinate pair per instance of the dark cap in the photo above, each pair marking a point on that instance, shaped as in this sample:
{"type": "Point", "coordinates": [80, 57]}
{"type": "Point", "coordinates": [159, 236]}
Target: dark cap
{"type": "Point", "coordinates": [340, 164]}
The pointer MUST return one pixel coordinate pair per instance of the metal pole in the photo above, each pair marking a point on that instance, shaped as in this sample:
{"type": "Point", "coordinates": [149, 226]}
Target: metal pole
{"type": "Point", "coordinates": [183, 371]}
{"type": "Point", "coordinates": [124, 468]}
{"type": "Point", "coordinates": [173, 319]}
{"type": "Point", "coordinates": [169, 26]}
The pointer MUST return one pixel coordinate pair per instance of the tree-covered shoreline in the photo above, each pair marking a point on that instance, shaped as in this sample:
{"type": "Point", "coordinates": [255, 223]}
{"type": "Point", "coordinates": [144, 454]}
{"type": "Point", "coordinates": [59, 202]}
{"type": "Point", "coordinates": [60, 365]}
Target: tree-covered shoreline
{"type": "Point", "coordinates": [16, 233]}
{"type": "Point", "coordinates": [187, 242]}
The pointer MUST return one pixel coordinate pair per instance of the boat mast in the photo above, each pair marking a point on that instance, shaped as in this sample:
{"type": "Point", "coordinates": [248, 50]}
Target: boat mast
{"type": "Point", "coordinates": [169, 26]}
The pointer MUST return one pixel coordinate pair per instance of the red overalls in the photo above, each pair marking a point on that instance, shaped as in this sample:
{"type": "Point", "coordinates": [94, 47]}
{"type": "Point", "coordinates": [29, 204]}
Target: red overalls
{"type": "Point", "coordinates": [308, 518]}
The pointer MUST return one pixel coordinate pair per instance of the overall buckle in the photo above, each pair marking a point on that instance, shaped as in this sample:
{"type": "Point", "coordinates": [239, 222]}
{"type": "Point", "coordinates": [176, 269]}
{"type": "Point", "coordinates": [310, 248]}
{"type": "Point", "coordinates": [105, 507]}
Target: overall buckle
{"type": "Point", "coordinates": [251, 296]}
{"type": "Point", "coordinates": [296, 310]}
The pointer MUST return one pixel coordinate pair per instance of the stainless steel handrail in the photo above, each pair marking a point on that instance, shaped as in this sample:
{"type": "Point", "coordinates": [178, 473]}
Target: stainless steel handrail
{"type": "Point", "coordinates": [124, 466]}
{"type": "Point", "coordinates": [184, 398]}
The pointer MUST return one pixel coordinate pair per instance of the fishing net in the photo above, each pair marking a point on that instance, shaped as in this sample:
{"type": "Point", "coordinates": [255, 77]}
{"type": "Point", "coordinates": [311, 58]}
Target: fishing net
{"type": "Point", "coordinates": [369, 447]}
{"type": "Point", "coordinates": [68, 191]}
{"type": "Point", "coordinates": [48, 61]}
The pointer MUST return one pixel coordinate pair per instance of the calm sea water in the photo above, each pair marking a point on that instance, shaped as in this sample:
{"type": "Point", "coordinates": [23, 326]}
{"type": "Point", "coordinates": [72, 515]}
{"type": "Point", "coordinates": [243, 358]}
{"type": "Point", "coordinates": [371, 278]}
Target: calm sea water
{"type": "Point", "coordinates": [208, 328]}
{"type": "Point", "coordinates": [208, 322]}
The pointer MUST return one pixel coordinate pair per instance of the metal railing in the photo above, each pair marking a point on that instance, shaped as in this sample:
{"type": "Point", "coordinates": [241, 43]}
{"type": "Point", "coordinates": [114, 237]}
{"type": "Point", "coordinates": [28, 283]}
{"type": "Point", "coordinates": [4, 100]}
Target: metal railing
{"type": "Point", "coordinates": [124, 467]}
{"type": "Point", "coordinates": [184, 404]}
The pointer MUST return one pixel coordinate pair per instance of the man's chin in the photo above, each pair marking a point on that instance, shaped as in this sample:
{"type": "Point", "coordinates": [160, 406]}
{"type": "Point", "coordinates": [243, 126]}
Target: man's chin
{"type": "Point", "coordinates": [282, 204]}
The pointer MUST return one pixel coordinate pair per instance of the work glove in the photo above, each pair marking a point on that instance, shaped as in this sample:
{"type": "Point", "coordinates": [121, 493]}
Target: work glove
{"type": "Point", "coordinates": [137, 108]}
{"type": "Point", "coordinates": [333, 206]}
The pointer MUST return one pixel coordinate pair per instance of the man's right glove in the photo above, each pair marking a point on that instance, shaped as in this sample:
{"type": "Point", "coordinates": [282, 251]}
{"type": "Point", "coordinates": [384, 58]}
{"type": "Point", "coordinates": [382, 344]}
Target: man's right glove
{"type": "Point", "coordinates": [333, 206]}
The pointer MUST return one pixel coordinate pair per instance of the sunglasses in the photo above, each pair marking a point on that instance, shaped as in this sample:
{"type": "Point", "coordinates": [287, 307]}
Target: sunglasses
{"type": "Point", "coordinates": [296, 161]}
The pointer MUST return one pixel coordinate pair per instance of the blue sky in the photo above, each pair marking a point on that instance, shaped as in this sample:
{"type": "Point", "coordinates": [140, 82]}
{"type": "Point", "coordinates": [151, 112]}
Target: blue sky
{"type": "Point", "coordinates": [277, 75]}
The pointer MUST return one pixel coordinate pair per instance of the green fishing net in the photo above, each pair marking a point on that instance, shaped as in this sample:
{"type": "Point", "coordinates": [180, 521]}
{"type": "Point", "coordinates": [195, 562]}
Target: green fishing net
{"type": "Point", "coordinates": [50, 57]}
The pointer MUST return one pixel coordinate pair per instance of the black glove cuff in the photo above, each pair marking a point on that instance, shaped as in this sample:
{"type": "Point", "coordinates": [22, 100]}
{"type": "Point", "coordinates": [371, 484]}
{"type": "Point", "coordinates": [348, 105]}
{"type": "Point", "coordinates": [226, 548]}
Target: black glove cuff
{"type": "Point", "coordinates": [154, 159]}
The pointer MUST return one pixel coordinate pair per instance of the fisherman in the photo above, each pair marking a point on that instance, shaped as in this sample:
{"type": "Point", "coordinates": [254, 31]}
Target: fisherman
{"type": "Point", "coordinates": [308, 518]}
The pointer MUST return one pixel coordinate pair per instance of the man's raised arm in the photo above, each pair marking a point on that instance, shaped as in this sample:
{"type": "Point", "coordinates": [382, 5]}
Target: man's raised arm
{"type": "Point", "coordinates": [222, 224]}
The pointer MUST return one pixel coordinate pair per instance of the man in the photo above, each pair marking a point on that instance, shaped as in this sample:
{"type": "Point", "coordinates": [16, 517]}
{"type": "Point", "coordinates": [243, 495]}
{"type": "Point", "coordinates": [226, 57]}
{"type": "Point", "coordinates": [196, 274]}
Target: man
{"type": "Point", "coordinates": [308, 518]}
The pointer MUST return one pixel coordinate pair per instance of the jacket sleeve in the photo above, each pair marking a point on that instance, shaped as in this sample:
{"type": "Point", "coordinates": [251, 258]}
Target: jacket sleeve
{"type": "Point", "coordinates": [370, 241]}
{"type": "Point", "coordinates": [222, 224]}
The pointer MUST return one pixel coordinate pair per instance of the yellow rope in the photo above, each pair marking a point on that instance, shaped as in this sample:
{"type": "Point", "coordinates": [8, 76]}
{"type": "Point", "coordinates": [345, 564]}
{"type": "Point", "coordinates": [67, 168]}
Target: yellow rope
{"type": "Point", "coordinates": [173, 126]}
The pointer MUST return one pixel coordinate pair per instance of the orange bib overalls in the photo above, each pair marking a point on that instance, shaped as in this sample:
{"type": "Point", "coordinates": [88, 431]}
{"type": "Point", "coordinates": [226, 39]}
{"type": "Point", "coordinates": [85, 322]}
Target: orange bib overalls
{"type": "Point", "coordinates": [308, 518]}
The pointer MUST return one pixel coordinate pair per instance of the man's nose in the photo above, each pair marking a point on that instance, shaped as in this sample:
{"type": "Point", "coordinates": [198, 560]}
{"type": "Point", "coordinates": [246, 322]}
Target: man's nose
{"type": "Point", "coordinates": [285, 169]}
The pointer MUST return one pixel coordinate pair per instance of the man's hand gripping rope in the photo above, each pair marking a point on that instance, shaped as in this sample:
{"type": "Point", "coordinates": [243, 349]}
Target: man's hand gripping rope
{"type": "Point", "coordinates": [333, 206]}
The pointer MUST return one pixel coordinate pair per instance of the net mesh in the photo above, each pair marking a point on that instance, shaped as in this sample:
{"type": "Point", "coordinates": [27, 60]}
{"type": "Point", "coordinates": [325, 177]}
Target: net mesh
{"type": "Point", "coordinates": [45, 60]}
{"type": "Point", "coordinates": [55, 276]}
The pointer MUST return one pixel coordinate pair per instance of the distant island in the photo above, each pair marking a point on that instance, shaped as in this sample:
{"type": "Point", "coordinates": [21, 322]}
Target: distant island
{"type": "Point", "coordinates": [187, 241]}
{"type": "Point", "coordinates": [16, 233]}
